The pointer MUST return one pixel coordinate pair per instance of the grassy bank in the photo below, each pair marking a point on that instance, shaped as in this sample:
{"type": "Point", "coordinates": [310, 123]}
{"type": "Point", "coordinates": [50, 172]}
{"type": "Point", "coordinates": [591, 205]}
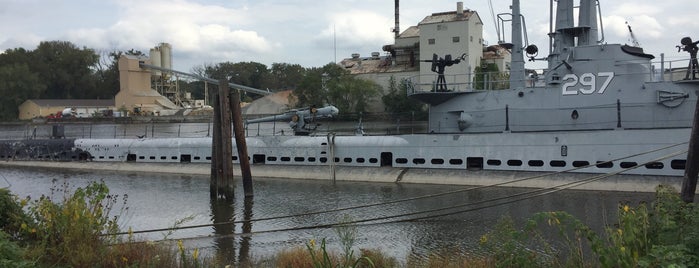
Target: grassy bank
{"type": "Point", "coordinates": [66, 229]}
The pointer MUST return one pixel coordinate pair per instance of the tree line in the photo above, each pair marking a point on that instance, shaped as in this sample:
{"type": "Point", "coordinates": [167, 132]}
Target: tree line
{"type": "Point", "coordinates": [62, 70]}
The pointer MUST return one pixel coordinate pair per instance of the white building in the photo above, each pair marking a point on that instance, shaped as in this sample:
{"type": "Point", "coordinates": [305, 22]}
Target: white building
{"type": "Point", "coordinates": [454, 33]}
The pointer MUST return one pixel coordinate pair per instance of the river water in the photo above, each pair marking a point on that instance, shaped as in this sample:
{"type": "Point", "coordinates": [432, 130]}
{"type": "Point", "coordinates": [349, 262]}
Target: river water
{"type": "Point", "coordinates": [159, 201]}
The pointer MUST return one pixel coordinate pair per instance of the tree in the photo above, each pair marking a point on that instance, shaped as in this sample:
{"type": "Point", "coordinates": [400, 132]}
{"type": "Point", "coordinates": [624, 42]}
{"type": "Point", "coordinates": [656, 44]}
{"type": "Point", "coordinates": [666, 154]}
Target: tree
{"type": "Point", "coordinates": [65, 68]}
{"type": "Point", "coordinates": [286, 76]}
{"type": "Point", "coordinates": [397, 102]}
{"type": "Point", "coordinates": [352, 95]}
{"type": "Point", "coordinates": [312, 91]}
{"type": "Point", "coordinates": [489, 77]}
{"type": "Point", "coordinates": [332, 84]}
{"type": "Point", "coordinates": [17, 84]}
{"type": "Point", "coordinates": [251, 74]}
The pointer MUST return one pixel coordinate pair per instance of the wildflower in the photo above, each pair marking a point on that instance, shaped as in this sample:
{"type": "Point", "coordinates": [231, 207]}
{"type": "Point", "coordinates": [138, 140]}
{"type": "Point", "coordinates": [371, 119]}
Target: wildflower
{"type": "Point", "coordinates": [312, 243]}
{"type": "Point", "coordinates": [124, 259]}
{"type": "Point", "coordinates": [180, 245]}
{"type": "Point", "coordinates": [484, 239]}
{"type": "Point", "coordinates": [623, 249]}
{"type": "Point", "coordinates": [619, 231]}
{"type": "Point", "coordinates": [626, 208]}
{"type": "Point", "coordinates": [23, 226]}
{"type": "Point", "coordinates": [195, 254]}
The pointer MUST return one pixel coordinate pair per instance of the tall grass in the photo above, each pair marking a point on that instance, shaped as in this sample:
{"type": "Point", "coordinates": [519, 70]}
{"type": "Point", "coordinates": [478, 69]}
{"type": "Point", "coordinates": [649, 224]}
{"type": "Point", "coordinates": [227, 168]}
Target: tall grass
{"type": "Point", "coordinates": [66, 229]}
{"type": "Point", "coordinates": [664, 234]}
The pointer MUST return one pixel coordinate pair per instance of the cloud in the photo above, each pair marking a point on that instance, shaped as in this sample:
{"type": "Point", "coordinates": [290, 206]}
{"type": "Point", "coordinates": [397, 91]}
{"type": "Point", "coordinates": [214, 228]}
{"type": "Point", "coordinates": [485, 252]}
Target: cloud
{"type": "Point", "coordinates": [196, 30]}
{"type": "Point", "coordinates": [644, 28]}
{"type": "Point", "coordinates": [630, 10]}
{"type": "Point", "coordinates": [357, 28]}
{"type": "Point", "coordinates": [28, 41]}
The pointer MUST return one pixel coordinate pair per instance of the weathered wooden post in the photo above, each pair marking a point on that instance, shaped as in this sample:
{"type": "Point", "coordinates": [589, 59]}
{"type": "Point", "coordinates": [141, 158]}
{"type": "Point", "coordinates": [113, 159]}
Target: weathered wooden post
{"type": "Point", "coordinates": [240, 143]}
{"type": "Point", "coordinates": [222, 184]}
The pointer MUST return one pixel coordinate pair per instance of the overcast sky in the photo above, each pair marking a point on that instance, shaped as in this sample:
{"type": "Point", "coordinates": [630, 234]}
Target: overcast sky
{"type": "Point", "coordinates": [300, 31]}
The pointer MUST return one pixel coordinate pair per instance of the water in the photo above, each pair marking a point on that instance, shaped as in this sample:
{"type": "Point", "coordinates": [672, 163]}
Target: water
{"type": "Point", "coordinates": [158, 201]}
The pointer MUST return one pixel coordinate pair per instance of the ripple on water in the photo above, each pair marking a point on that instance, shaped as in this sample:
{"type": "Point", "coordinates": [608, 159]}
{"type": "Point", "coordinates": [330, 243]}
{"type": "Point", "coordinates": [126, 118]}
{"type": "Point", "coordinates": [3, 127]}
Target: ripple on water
{"type": "Point", "coordinates": [159, 201]}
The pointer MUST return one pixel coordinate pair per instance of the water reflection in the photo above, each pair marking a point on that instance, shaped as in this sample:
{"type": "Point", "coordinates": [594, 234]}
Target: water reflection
{"type": "Point", "coordinates": [222, 216]}
{"type": "Point", "coordinates": [244, 255]}
{"type": "Point", "coordinates": [158, 201]}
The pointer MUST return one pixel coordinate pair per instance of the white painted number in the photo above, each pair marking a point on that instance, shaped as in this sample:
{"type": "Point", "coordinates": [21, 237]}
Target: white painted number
{"type": "Point", "coordinates": [588, 81]}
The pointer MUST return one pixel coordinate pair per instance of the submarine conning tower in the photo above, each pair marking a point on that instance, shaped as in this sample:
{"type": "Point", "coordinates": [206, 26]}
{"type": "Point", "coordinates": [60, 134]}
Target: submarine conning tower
{"type": "Point", "coordinates": [579, 48]}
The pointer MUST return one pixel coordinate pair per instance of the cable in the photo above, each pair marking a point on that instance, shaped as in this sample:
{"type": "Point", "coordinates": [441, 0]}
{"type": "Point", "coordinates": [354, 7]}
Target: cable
{"type": "Point", "coordinates": [543, 191]}
{"type": "Point", "coordinates": [8, 182]}
{"type": "Point", "coordinates": [394, 201]}
{"type": "Point", "coordinates": [552, 189]}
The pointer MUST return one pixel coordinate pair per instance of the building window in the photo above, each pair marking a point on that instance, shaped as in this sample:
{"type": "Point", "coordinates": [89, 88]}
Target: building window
{"type": "Point", "coordinates": [455, 39]}
{"type": "Point", "coordinates": [441, 27]}
{"type": "Point", "coordinates": [472, 39]}
{"type": "Point", "coordinates": [430, 41]}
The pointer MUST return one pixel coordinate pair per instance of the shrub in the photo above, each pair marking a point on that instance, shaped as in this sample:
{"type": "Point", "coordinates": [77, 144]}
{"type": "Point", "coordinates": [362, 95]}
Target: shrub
{"type": "Point", "coordinates": [11, 214]}
{"type": "Point", "coordinates": [69, 232]}
{"type": "Point", "coordinates": [378, 258]}
{"type": "Point", "coordinates": [512, 247]}
{"type": "Point", "coordinates": [11, 254]}
{"type": "Point", "coordinates": [663, 236]}
{"type": "Point", "coordinates": [294, 257]}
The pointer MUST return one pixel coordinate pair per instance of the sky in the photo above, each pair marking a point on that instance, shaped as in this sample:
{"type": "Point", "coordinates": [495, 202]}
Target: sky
{"type": "Point", "coordinates": [305, 32]}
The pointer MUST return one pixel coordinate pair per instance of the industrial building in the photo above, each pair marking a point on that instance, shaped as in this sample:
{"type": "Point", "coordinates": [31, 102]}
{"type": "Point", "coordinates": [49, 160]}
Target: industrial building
{"type": "Point", "coordinates": [34, 108]}
{"type": "Point", "coordinates": [456, 33]}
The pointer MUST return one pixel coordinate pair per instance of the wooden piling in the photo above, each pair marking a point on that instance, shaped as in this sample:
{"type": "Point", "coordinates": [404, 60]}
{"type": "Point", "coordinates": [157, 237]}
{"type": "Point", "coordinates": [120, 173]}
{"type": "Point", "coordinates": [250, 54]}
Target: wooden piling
{"type": "Point", "coordinates": [222, 184]}
{"type": "Point", "coordinates": [240, 144]}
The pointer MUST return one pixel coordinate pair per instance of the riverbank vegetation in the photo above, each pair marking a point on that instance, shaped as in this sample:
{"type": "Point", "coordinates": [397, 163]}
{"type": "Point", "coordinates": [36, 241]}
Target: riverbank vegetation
{"type": "Point", "coordinates": [68, 227]}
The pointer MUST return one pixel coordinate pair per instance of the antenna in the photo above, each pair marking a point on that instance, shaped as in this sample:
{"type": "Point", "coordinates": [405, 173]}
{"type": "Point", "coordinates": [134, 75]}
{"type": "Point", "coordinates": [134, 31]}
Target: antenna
{"type": "Point", "coordinates": [497, 29]}
{"type": "Point", "coordinates": [634, 41]}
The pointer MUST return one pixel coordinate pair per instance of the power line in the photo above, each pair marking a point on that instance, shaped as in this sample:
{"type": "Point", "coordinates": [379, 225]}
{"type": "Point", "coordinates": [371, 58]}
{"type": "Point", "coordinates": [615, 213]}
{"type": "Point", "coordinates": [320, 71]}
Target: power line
{"type": "Point", "coordinates": [525, 196]}
{"type": "Point", "coordinates": [398, 200]}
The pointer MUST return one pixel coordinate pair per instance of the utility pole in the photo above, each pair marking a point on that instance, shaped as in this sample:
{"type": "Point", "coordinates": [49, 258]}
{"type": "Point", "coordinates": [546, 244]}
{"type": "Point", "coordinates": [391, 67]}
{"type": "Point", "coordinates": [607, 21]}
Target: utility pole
{"type": "Point", "coordinates": [689, 184]}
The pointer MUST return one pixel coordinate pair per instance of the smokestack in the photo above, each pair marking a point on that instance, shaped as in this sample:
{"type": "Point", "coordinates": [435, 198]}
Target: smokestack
{"type": "Point", "coordinates": [459, 9]}
{"type": "Point", "coordinates": [396, 29]}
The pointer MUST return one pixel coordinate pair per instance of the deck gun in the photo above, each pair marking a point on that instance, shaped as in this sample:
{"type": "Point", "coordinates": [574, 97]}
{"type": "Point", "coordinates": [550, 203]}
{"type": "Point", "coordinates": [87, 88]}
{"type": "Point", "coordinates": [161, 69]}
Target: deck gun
{"type": "Point", "coordinates": [302, 121]}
